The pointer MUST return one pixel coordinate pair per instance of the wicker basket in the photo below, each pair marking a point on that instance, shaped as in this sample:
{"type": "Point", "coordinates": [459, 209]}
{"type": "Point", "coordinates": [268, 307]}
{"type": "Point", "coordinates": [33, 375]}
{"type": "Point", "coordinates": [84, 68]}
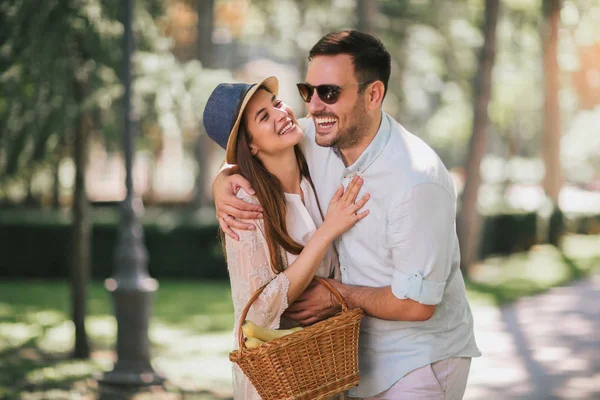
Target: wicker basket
{"type": "Point", "coordinates": [317, 362]}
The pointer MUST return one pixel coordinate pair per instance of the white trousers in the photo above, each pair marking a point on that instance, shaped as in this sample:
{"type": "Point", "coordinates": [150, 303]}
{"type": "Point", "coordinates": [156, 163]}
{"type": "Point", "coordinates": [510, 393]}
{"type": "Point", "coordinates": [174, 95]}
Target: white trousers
{"type": "Point", "coordinates": [442, 380]}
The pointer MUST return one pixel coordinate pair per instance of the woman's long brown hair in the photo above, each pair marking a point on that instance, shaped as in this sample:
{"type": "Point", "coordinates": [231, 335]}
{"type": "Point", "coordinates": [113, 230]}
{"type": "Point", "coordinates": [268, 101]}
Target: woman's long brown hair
{"type": "Point", "coordinates": [271, 197]}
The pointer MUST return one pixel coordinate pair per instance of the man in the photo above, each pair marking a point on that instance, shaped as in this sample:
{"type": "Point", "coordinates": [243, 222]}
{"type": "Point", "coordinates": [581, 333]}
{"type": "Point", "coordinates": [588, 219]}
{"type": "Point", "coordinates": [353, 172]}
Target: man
{"type": "Point", "coordinates": [401, 263]}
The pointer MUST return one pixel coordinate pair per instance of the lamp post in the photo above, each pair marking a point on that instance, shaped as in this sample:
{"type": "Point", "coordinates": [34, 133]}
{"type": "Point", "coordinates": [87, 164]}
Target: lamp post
{"type": "Point", "coordinates": [130, 285]}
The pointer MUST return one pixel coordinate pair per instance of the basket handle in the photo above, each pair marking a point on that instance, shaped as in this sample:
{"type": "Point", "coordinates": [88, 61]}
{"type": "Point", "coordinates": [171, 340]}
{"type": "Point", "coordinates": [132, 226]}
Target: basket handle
{"type": "Point", "coordinates": [242, 344]}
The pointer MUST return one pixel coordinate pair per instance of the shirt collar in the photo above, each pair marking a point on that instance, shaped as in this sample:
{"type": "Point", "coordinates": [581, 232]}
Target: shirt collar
{"type": "Point", "coordinates": [374, 148]}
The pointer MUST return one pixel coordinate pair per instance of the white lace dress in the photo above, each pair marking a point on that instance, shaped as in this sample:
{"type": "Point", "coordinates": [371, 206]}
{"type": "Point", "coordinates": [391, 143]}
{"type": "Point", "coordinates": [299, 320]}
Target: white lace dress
{"type": "Point", "coordinates": [249, 269]}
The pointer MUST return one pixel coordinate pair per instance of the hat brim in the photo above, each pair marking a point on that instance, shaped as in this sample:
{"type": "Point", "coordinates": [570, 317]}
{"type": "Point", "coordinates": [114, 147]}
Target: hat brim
{"type": "Point", "coordinates": [272, 85]}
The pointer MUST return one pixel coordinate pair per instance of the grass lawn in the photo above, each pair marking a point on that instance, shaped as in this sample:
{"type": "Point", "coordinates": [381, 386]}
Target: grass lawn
{"type": "Point", "coordinates": [499, 280]}
{"type": "Point", "coordinates": [192, 321]}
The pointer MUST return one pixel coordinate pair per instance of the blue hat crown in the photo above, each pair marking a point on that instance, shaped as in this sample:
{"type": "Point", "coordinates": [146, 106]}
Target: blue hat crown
{"type": "Point", "coordinates": [222, 109]}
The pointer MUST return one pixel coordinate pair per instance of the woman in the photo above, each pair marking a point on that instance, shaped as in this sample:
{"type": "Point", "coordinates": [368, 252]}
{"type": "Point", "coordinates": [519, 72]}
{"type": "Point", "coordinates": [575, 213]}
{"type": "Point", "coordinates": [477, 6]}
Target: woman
{"type": "Point", "coordinates": [293, 242]}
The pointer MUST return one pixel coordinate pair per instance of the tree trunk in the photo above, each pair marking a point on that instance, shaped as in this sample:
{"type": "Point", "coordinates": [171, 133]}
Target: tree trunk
{"type": "Point", "coordinates": [468, 224]}
{"type": "Point", "coordinates": [202, 152]}
{"type": "Point", "coordinates": [81, 231]}
{"type": "Point", "coordinates": [30, 200]}
{"type": "Point", "coordinates": [551, 137]}
{"type": "Point", "coordinates": [204, 45]}
{"type": "Point", "coordinates": [366, 11]}
{"type": "Point", "coordinates": [205, 53]}
{"type": "Point", "coordinates": [301, 54]}
{"type": "Point", "coordinates": [55, 165]}
{"type": "Point", "coordinates": [56, 184]}
{"type": "Point", "coordinates": [551, 124]}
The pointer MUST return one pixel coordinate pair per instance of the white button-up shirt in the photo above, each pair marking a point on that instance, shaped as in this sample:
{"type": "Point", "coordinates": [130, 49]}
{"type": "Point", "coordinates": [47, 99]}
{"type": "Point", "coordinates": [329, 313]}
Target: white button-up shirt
{"type": "Point", "coordinates": [408, 241]}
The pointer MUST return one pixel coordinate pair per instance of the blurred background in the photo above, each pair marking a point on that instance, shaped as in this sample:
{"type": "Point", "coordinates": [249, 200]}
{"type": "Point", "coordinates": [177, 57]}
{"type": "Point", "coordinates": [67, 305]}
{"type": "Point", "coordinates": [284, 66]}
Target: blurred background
{"type": "Point", "coordinates": [507, 93]}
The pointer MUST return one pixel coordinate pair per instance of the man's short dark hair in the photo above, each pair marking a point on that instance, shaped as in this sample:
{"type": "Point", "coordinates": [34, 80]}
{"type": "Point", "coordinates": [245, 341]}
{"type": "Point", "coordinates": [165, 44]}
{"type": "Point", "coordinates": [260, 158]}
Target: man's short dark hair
{"type": "Point", "coordinates": [372, 61]}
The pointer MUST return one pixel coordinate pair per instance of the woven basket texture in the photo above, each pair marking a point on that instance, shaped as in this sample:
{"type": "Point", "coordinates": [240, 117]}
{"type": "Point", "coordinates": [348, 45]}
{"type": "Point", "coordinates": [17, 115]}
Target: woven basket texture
{"type": "Point", "coordinates": [315, 363]}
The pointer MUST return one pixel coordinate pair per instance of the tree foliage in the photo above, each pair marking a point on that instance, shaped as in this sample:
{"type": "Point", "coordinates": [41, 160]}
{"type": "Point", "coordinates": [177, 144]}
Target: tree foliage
{"type": "Point", "coordinates": [48, 48]}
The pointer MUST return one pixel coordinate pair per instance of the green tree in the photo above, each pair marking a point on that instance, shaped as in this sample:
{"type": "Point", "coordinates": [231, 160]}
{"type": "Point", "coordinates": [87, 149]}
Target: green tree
{"type": "Point", "coordinates": [59, 65]}
{"type": "Point", "coordinates": [366, 13]}
{"type": "Point", "coordinates": [60, 82]}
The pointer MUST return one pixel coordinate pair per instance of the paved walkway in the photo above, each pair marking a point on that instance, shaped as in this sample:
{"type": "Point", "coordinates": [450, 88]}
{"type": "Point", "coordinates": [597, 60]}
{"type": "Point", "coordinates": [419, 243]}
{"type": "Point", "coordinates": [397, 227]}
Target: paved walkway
{"type": "Point", "coordinates": [541, 347]}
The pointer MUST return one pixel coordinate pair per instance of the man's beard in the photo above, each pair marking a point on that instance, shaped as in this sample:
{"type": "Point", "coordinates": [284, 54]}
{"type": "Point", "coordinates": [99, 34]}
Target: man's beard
{"type": "Point", "coordinates": [352, 135]}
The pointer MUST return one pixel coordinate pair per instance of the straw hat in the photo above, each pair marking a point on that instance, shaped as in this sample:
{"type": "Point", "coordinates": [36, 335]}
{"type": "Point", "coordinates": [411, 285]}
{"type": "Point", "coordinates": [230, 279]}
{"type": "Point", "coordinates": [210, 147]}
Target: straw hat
{"type": "Point", "coordinates": [224, 110]}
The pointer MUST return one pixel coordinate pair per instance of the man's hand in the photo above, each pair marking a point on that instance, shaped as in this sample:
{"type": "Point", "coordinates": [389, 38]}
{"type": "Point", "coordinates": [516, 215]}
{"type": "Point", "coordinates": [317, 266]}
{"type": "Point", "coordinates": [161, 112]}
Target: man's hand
{"type": "Point", "coordinates": [228, 206]}
{"type": "Point", "coordinates": [315, 304]}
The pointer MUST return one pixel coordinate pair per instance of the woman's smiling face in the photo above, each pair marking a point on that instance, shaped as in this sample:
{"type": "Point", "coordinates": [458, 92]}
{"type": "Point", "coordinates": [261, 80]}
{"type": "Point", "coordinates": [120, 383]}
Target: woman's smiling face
{"type": "Point", "coordinates": [271, 125]}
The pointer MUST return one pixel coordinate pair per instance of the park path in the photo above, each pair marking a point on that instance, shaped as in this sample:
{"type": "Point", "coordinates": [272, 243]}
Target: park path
{"type": "Point", "coordinates": [540, 347]}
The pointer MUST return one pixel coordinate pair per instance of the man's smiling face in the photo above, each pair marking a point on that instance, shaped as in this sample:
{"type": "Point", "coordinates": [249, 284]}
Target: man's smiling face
{"type": "Point", "coordinates": [342, 123]}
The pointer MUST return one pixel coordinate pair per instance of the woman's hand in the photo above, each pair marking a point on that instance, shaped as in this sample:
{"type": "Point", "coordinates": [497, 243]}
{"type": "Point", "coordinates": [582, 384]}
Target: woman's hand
{"type": "Point", "coordinates": [343, 213]}
{"type": "Point", "coordinates": [229, 207]}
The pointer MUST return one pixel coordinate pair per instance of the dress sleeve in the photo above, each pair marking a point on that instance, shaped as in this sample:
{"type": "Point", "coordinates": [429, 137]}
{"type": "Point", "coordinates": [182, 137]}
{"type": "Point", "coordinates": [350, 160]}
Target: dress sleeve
{"type": "Point", "coordinates": [250, 269]}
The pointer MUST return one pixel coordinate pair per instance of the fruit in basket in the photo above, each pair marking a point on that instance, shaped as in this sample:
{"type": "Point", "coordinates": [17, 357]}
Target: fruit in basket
{"type": "Point", "coordinates": [251, 330]}
{"type": "Point", "coordinates": [252, 342]}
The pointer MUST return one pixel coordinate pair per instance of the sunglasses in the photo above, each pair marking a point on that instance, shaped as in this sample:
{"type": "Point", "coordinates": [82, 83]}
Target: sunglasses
{"type": "Point", "coordinates": [328, 94]}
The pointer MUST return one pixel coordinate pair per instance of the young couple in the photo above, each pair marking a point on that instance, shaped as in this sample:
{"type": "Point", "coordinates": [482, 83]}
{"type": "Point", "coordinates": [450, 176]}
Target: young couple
{"type": "Point", "coordinates": [350, 195]}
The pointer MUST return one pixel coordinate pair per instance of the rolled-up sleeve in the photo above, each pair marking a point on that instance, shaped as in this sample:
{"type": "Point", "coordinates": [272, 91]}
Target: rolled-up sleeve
{"type": "Point", "coordinates": [421, 235]}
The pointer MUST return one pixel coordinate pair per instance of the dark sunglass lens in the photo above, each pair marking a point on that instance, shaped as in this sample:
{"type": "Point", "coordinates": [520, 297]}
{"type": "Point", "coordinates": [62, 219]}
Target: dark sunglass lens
{"type": "Point", "coordinates": [328, 93]}
{"type": "Point", "coordinates": [305, 92]}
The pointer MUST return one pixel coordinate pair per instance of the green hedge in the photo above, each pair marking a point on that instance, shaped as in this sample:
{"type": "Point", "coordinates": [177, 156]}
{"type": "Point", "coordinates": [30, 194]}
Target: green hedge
{"type": "Point", "coordinates": [40, 249]}
{"type": "Point", "coordinates": [585, 224]}
{"type": "Point", "coordinates": [180, 245]}
{"type": "Point", "coordinates": [508, 233]}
